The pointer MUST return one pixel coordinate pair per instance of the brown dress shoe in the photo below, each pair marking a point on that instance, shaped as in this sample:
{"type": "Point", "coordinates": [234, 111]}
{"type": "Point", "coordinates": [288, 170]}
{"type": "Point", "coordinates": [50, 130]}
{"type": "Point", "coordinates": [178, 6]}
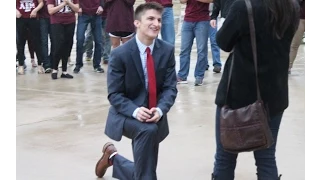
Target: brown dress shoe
{"type": "Point", "coordinates": [103, 163]}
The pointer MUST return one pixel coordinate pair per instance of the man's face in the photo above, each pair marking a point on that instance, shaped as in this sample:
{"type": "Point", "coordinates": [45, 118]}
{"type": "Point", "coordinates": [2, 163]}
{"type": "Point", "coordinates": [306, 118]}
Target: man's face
{"type": "Point", "coordinates": [150, 24]}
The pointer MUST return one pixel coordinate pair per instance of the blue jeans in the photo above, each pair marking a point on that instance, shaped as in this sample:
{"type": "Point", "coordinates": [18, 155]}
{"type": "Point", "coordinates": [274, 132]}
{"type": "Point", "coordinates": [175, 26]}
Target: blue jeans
{"type": "Point", "coordinates": [88, 43]}
{"type": "Point", "coordinates": [106, 43]}
{"type": "Point", "coordinates": [225, 163]}
{"type": "Point", "coordinates": [167, 29]}
{"type": "Point", "coordinates": [189, 31]}
{"type": "Point", "coordinates": [95, 23]}
{"type": "Point", "coordinates": [45, 30]}
{"type": "Point", "coordinates": [215, 50]}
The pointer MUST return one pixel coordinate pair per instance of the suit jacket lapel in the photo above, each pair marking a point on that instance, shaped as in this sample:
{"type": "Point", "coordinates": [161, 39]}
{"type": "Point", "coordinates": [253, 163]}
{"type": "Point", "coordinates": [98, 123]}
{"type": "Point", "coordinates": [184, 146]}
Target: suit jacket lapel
{"type": "Point", "coordinates": [156, 54]}
{"type": "Point", "coordinates": [135, 53]}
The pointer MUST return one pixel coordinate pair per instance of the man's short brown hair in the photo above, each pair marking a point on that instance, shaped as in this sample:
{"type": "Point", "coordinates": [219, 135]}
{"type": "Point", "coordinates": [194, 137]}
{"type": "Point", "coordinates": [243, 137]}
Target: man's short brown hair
{"type": "Point", "coordinates": [142, 8]}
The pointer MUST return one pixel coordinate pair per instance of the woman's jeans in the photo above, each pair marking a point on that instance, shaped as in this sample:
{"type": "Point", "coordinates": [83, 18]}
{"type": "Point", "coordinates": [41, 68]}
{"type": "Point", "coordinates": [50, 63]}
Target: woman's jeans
{"type": "Point", "coordinates": [225, 162]}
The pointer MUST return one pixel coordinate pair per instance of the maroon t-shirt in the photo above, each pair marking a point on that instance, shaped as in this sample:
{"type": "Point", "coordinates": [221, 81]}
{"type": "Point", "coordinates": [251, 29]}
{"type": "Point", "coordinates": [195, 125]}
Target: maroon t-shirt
{"type": "Point", "coordinates": [26, 6]}
{"type": "Point", "coordinates": [89, 7]}
{"type": "Point", "coordinates": [196, 11]}
{"type": "Point", "coordinates": [43, 13]}
{"type": "Point", "coordinates": [120, 16]}
{"type": "Point", "coordinates": [105, 12]}
{"type": "Point", "coordinates": [65, 16]}
{"type": "Point", "coordinates": [164, 3]}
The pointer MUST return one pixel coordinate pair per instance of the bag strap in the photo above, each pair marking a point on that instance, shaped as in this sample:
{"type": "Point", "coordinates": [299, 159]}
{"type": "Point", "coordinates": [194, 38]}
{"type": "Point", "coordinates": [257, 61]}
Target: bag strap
{"type": "Point", "coordinates": [254, 51]}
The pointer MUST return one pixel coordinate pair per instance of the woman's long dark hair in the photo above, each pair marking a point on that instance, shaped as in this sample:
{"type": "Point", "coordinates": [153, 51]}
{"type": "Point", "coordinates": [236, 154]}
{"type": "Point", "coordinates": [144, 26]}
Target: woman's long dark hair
{"type": "Point", "coordinates": [282, 15]}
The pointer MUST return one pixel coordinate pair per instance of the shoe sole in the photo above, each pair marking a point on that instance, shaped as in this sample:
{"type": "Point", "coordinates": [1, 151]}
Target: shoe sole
{"type": "Point", "coordinates": [217, 70]}
{"type": "Point", "coordinates": [41, 71]}
{"type": "Point", "coordinates": [183, 82]}
{"type": "Point", "coordinates": [198, 84]}
{"type": "Point", "coordinates": [103, 151]}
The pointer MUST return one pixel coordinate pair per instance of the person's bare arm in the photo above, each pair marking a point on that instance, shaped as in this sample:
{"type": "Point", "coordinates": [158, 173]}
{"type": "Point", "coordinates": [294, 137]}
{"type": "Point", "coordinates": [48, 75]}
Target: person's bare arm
{"type": "Point", "coordinates": [34, 12]}
{"type": "Point", "coordinates": [205, 1]}
{"type": "Point", "coordinates": [40, 5]}
{"type": "Point", "coordinates": [18, 14]}
{"type": "Point", "coordinates": [74, 7]}
{"type": "Point", "coordinates": [52, 9]}
{"type": "Point", "coordinates": [183, 1]}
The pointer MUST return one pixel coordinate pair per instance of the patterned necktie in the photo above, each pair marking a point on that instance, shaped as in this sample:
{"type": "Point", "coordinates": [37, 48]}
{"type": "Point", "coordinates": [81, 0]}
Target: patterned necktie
{"type": "Point", "coordinates": [152, 85]}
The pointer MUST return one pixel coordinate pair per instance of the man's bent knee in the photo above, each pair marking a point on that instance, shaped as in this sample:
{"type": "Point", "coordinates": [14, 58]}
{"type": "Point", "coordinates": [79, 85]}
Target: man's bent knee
{"type": "Point", "coordinates": [149, 129]}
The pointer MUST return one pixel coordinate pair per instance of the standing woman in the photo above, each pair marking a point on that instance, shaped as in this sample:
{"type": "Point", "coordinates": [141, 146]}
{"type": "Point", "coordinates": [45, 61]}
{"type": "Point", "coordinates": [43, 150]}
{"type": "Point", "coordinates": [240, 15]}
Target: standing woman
{"type": "Point", "coordinates": [63, 24]}
{"type": "Point", "coordinates": [275, 24]}
{"type": "Point", "coordinates": [120, 18]}
{"type": "Point", "coordinates": [27, 19]}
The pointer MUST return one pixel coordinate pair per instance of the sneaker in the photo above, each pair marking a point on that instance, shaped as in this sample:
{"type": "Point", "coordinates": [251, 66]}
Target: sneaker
{"type": "Point", "coordinates": [40, 69]}
{"type": "Point", "coordinates": [17, 64]}
{"type": "Point", "coordinates": [54, 75]}
{"type": "Point", "coordinates": [180, 81]}
{"type": "Point", "coordinates": [198, 82]}
{"type": "Point", "coordinates": [217, 69]}
{"type": "Point", "coordinates": [77, 69]}
{"type": "Point", "coordinates": [20, 70]}
{"type": "Point", "coordinates": [68, 76]}
{"type": "Point", "coordinates": [48, 70]}
{"type": "Point", "coordinates": [33, 62]}
{"type": "Point", "coordinates": [88, 58]}
{"type": "Point", "coordinates": [99, 70]}
{"type": "Point", "coordinates": [24, 66]}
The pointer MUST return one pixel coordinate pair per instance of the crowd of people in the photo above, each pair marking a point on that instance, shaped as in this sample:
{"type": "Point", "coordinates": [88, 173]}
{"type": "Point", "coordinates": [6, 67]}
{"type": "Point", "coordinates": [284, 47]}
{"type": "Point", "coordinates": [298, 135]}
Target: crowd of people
{"type": "Point", "coordinates": [142, 80]}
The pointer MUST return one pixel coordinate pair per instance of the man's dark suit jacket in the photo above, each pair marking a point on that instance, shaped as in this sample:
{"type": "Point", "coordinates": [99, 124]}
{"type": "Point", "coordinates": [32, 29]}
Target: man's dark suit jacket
{"type": "Point", "coordinates": [126, 85]}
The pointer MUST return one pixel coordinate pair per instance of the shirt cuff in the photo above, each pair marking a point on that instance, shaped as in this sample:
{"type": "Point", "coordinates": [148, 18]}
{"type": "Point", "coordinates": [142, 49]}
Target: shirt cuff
{"type": "Point", "coordinates": [160, 112]}
{"type": "Point", "coordinates": [134, 114]}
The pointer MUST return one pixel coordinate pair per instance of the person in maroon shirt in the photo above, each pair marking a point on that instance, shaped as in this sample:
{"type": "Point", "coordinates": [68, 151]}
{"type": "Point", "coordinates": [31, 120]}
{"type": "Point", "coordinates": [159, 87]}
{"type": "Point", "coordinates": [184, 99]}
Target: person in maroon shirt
{"type": "Point", "coordinates": [63, 21]}
{"type": "Point", "coordinates": [45, 31]}
{"type": "Point", "coordinates": [106, 44]}
{"type": "Point", "coordinates": [27, 19]}
{"type": "Point", "coordinates": [89, 13]}
{"type": "Point", "coordinates": [195, 25]}
{"type": "Point", "coordinates": [120, 21]}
